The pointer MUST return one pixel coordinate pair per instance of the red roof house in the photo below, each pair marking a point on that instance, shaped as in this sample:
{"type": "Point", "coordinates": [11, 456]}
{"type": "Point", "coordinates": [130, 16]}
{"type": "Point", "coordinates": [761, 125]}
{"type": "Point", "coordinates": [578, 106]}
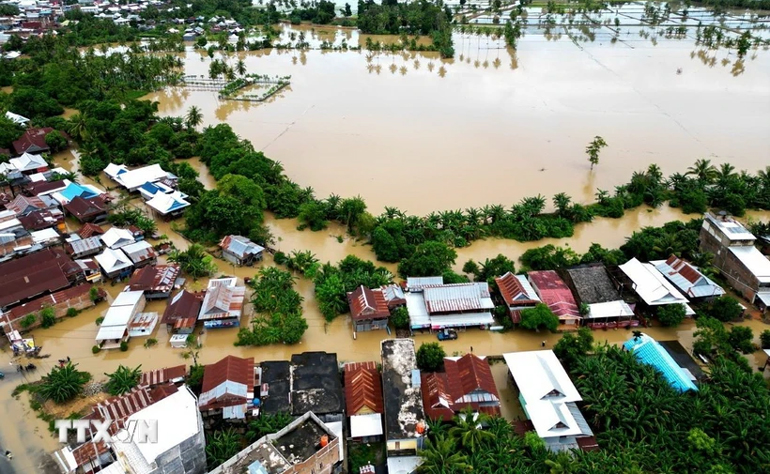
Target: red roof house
{"type": "Point", "coordinates": [364, 400]}
{"type": "Point", "coordinates": [162, 376]}
{"type": "Point", "coordinates": [89, 230]}
{"type": "Point", "coordinates": [517, 293]}
{"type": "Point", "coordinates": [87, 210]}
{"type": "Point", "coordinates": [368, 308]}
{"type": "Point", "coordinates": [466, 383]}
{"type": "Point", "coordinates": [23, 205]}
{"type": "Point", "coordinates": [555, 293]}
{"type": "Point", "coordinates": [42, 272]}
{"type": "Point", "coordinates": [228, 384]}
{"type": "Point", "coordinates": [42, 219]}
{"type": "Point", "coordinates": [182, 312]}
{"type": "Point", "coordinates": [32, 141]}
{"type": "Point", "coordinates": [156, 281]}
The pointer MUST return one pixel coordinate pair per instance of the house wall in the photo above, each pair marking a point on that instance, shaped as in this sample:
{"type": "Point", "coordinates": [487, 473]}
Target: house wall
{"type": "Point", "coordinates": [322, 462]}
{"type": "Point", "coordinates": [60, 309]}
{"type": "Point", "coordinates": [231, 258]}
{"type": "Point", "coordinates": [738, 276]}
{"type": "Point", "coordinates": [405, 447]}
{"type": "Point", "coordinates": [188, 457]}
{"type": "Point", "coordinates": [371, 325]}
{"type": "Point", "coordinates": [8, 247]}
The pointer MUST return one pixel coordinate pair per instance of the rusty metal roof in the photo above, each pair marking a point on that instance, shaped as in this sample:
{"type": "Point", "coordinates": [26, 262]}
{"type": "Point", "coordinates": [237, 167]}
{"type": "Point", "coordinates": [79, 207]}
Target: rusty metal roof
{"type": "Point", "coordinates": [515, 291]}
{"type": "Point", "coordinates": [363, 388]}
{"type": "Point", "coordinates": [89, 229]}
{"type": "Point", "coordinates": [367, 304]}
{"type": "Point", "coordinates": [154, 278]}
{"type": "Point", "coordinates": [230, 369]}
{"type": "Point", "coordinates": [466, 382]}
{"type": "Point", "coordinates": [457, 298]}
{"type": "Point", "coordinates": [161, 376]}
{"type": "Point", "coordinates": [184, 305]}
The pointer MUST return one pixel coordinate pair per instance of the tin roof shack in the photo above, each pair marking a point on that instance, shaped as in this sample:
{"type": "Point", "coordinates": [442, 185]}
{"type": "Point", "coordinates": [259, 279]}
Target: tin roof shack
{"type": "Point", "coordinates": [746, 269]}
{"type": "Point", "coordinates": [364, 404]}
{"type": "Point", "coordinates": [549, 399]}
{"type": "Point", "coordinates": [466, 382]}
{"type": "Point", "coordinates": [228, 389]}
{"type": "Point", "coordinates": [650, 285]}
{"type": "Point", "coordinates": [114, 328]}
{"type": "Point", "coordinates": [404, 414]}
{"type": "Point", "coordinates": [89, 230]}
{"type": "Point", "coordinates": [368, 309]}
{"type": "Point", "coordinates": [42, 272]}
{"type": "Point", "coordinates": [688, 279]}
{"type": "Point", "coordinates": [304, 446]}
{"type": "Point", "coordinates": [592, 285]}
{"type": "Point", "coordinates": [141, 253]}
{"type": "Point", "coordinates": [316, 386]}
{"type": "Point", "coordinates": [648, 351]}
{"type": "Point", "coordinates": [439, 306]}
{"type": "Point", "coordinates": [517, 293]}
{"type": "Point", "coordinates": [223, 304]}
{"type": "Point", "coordinates": [557, 295]}
{"type": "Point", "coordinates": [181, 314]}
{"type": "Point", "coordinates": [239, 250]}
{"type": "Point", "coordinates": [155, 281]}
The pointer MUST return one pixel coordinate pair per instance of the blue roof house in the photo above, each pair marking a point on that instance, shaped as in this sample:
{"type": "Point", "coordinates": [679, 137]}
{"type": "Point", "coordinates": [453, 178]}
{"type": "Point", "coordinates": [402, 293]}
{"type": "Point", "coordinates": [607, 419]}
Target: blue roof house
{"type": "Point", "coordinates": [648, 351]}
{"type": "Point", "coordinates": [74, 190]}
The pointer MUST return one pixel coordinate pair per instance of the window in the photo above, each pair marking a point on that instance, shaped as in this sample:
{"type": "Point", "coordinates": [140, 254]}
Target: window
{"type": "Point", "coordinates": [398, 445]}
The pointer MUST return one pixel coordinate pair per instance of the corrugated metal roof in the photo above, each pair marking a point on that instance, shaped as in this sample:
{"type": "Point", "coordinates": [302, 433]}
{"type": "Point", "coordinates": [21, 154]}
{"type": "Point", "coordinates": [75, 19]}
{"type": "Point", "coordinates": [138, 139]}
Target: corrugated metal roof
{"type": "Point", "coordinates": [367, 304]}
{"type": "Point", "coordinates": [231, 375]}
{"type": "Point", "coordinates": [139, 251]}
{"type": "Point", "coordinates": [86, 245]}
{"type": "Point", "coordinates": [240, 246]}
{"type": "Point", "coordinates": [457, 298]}
{"type": "Point", "coordinates": [650, 352]}
{"type": "Point", "coordinates": [650, 284]}
{"type": "Point", "coordinates": [363, 388]}
{"type": "Point", "coordinates": [160, 376]}
{"type": "Point", "coordinates": [516, 290]}
{"type": "Point", "coordinates": [687, 278]}
{"type": "Point", "coordinates": [418, 283]}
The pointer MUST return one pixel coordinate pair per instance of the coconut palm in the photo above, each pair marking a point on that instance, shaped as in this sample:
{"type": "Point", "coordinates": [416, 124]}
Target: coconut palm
{"type": "Point", "coordinates": [441, 456]}
{"type": "Point", "coordinates": [469, 431]}
{"type": "Point", "coordinates": [194, 117]}
{"type": "Point", "coordinates": [703, 170]}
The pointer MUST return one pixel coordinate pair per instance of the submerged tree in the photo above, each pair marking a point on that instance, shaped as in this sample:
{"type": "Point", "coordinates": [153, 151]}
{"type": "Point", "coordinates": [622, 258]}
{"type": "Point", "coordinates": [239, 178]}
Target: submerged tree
{"type": "Point", "coordinates": [593, 149]}
{"type": "Point", "coordinates": [62, 384]}
{"type": "Point", "coordinates": [123, 380]}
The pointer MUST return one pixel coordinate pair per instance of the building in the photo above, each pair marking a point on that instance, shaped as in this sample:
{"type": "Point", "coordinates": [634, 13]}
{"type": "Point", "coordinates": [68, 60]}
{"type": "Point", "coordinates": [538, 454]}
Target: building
{"type": "Point", "coordinates": [555, 293]}
{"type": "Point", "coordinates": [23, 205]}
{"type": "Point", "coordinates": [517, 294]}
{"type": "Point", "coordinates": [140, 253]}
{"type": "Point", "coordinates": [549, 400]}
{"type": "Point", "coordinates": [688, 279]}
{"type": "Point", "coordinates": [155, 281]}
{"type": "Point", "coordinates": [81, 248]}
{"type": "Point", "coordinates": [304, 446]}
{"type": "Point", "coordinates": [33, 141]}
{"type": "Point", "coordinates": [364, 403]}
{"type": "Point", "coordinates": [148, 190]}
{"type": "Point", "coordinates": [78, 297]}
{"type": "Point", "coordinates": [87, 209]}
{"type": "Point", "coordinates": [17, 119]}
{"type": "Point", "coordinates": [466, 382]}
{"type": "Point", "coordinates": [222, 304]}
{"type": "Point", "coordinates": [651, 286]}
{"type": "Point", "coordinates": [368, 309]}
{"type": "Point", "coordinates": [167, 375]}
{"type": "Point", "coordinates": [28, 163]}
{"type": "Point", "coordinates": [744, 267]}
{"type": "Point", "coordinates": [40, 273]}
{"type": "Point", "coordinates": [394, 296]}
{"type": "Point", "coordinates": [228, 388]}
{"type": "Point", "coordinates": [89, 230]}
{"type": "Point", "coordinates": [181, 314]}
{"type": "Point", "coordinates": [75, 190]}
{"type": "Point", "coordinates": [404, 414]}
{"type": "Point", "coordinates": [445, 306]}
{"type": "Point", "coordinates": [142, 324]}
{"type": "Point", "coordinates": [43, 219]}
{"type": "Point", "coordinates": [90, 270]}
{"type": "Point", "coordinates": [648, 351]}
{"type": "Point", "coordinates": [133, 179]}
{"type": "Point", "coordinates": [114, 328]}
{"type": "Point", "coordinates": [239, 250]}
{"type": "Point", "coordinates": [168, 206]}
{"type": "Point", "coordinates": [43, 187]}
{"type": "Point", "coordinates": [417, 284]}
{"type": "Point", "coordinates": [592, 286]}
{"type": "Point", "coordinates": [116, 238]}
{"type": "Point", "coordinates": [115, 264]}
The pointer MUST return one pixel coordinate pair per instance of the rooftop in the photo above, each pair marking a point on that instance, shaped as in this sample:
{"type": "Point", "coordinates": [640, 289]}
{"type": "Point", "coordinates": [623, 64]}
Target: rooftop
{"type": "Point", "coordinates": [231, 375]}
{"type": "Point", "coordinates": [687, 278]}
{"type": "Point", "coordinates": [650, 352]}
{"type": "Point", "coordinates": [240, 246]}
{"type": "Point", "coordinates": [316, 384]}
{"type": "Point", "coordinates": [154, 278]}
{"type": "Point", "coordinates": [403, 400]}
{"type": "Point", "coordinates": [161, 376]}
{"type": "Point", "coordinates": [116, 237]}
{"type": "Point", "coordinates": [183, 306]}
{"type": "Point", "coordinates": [457, 298]}
{"type": "Point", "coordinates": [516, 290]}
{"type": "Point", "coordinates": [33, 275]}
{"type": "Point", "coordinates": [363, 388]}
{"type": "Point", "coordinates": [754, 261]}
{"type": "Point", "coordinates": [555, 293]}
{"type": "Point", "coordinates": [730, 227]}
{"type": "Point", "coordinates": [277, 375]}
{"type": "Point", "coordinates": [650, 284]}
{"type": "Point", "coordinates": [593, 285]}
{"type": "Point", "coordinates": [418, 283]}
{"type": "Point", "coordinates": [367, 304]}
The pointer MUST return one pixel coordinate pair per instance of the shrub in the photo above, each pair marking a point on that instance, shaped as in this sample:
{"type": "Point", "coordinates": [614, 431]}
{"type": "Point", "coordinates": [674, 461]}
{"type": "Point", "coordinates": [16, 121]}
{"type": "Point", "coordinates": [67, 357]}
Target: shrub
{"type": "Point", "coordinates": [123, 379]}
{"type": "Point", "coordinates": [93, 293]}
{"type": "Point", "coordinates": [72, 312]}
{"type": "Point", "coordinates": [63, 384]}
{"type": "Point", "coordinates": [539, 316]}
{"type": "Point", "coordinates": [27, 321]}
{"type": "Point", "coordinates": [95, 349]}
{"type": "Point", "coordinates": [99, 320]}
{"type": "Point", "coordinates": [123, 346]}
{"type": "Point", "coordinates": [672, 315]}
{"type": "Point", "coordinates": [47, 317]}
{"type": "Point", "coordinates": [150, 342]}
{"type": "Point", "coordinates": [400, 318]}
{"type": "Point", "coordinates": [725, 308]}
{"type": "Point", "coordinates": [430, 356]}
{"type": "Point", "coordinates": [764, 339]}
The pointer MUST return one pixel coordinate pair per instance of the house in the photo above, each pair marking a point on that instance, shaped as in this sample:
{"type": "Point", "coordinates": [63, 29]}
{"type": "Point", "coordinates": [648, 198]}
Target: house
{"type": "Point", "coordinates": [74, 190]}
{"type": "Point", "coordinates": [133, 179]}
{"type": "Point", "coordinates": [363, 401]}
{"type": "Point", "coordinates": [9, 225]}
{"type": "Point", "coordinates": [168, 206]}
{"type": "Point", "coordinates": [164, 376]}
{"type": "Point", "coordinates": [114, 327]}
{"type": "Point", "coordinates": [466, 383]}
{"type": "Point", "coordinates": [45, 238]}
{"type": "Point", "coordinates": [368, 309]}
{"type": "Point", "coordinates": [593, 287]}
{"type": "Point", "coordinates": [115, 264]}
{"type": "Point", "coordinates": [24, 205]}
{"type": "Point", "coordinates": [304, 446]}
{"type": "Point", "coordinates": [688, 279]}
{"type": "Point", "coordinates": [439, 306]}
{"type": "Point", "coordinates": [42, 187]}
{"type": "Point", "coordinates": [556, 295]}
{"type": "Point", "coordinates": [404, 413]}
{"type": "Point", "coordinates": [181, 314]}
{"type": "Point", "coordinates": [142, 324]}
{"type": "Point", "coordinates": [239, 250]}
{"type": "Point", "coordinates": [394, 296]}
{"type": "Point", "coordinates": [517, 294]}
{"type": "Point", "coordinates": [228, 388]}
{"type": "Point", "coordinates": [33, 141]}
{"type": "Point", "coordinates": [113, 171]}
{"type": "Point", "coordinates": [42, 272]}
{"type": "Point", "coordinates": [549, 400]}
{"type": "Point", "coordinates": [43, 219]}
{"type": "Point", "coordinates": [89, 229]}
{"type": "Point", "coordinates": [28, 163]}
{"type": "Point", "coordinates": [116, 238]}
{"type": "Point", "coordinates": [736, 257]}
{"type": "Point", "coordinates": [148, 190]}
{"type": "Point", "coordinates": [17, 119]}
{"type": "Point", "coordinates": [90, 269]}
{"type": "Point", "coordinates": [651, 286]}
{"type": "Point", "coordinates": [84, 247]}
{"type": "Point", "coordinates": [156, 281]}
{"type": "Point", "coordinates": [140, 253]}
{"type": "Point", "coordinates": [648, 351]}
{"type": "Point", "coordinates": [223, 304]}
{"type": "Point", "coordinates": [77, 297]}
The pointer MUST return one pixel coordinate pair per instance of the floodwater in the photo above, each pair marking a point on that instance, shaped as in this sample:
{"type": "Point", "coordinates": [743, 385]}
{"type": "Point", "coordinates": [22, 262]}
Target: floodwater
{"type": "Point", "coordinates": [494, 125]}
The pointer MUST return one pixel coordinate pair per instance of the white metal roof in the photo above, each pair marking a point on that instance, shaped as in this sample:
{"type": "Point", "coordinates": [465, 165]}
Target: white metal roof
{"type": "Point", "coordinates": [113, 260]}
{"type": "Point", "coordinates": [135, 178]}
{"type": "Point", "coordinates": [458, 297]}
{"type": "Point", "coordinates": [336, 428]}
{"type": "Point", "coordinates": [419, 317]}
{"type": "Point", "coordinates": [733, 229]}
{"type": "Point", "coordinates": [676, 273]}
{"type": "Point", "coordinates": [110, 332]}
{"type": "Point", "coordinates": [754, 261]}
{"type": "Point", "coordinates": [403, 464]}
{"type": "Point", "coordinates": [165, 203]}
{"type": "Point", "coordinates": [44, 235]}
{"type": "Point", "coordinates": [118, 316]}
{"type": "Point", "coordinates": [116, 237]}
{"type": "Point", "coordinates": [16, 118]}
{"type": "Point", "coordinates": [128, 298]}
{"type": "Point", "coordinates": [418, 283]}
{"type": "Point", "coordinates": [112, 170]}
{"type": "Point", "coordinates": [609, 309]}
{"type": "Point", "coordinates": [650, 284]}
{"type": "Point", "coordinates": [366, 425]}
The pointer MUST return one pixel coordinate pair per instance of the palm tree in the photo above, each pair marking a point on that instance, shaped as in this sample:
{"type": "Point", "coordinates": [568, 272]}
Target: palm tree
{"type": "Point", "coordinates": [194, 117]}
{"type": "Point", "coordinates": [703, 170]}
{"type": "Point", "coordinates": [123, 380]}
{"type": "Point", "coordinates": [63, 384]}
{"type": "Point", "coordinates": [441, 456]}
{"type": "Point", "coordinates": [221, 446]}
{"type": "Point", "coordinates": [77, 127]}
{"type": "Point", "coordinates": [468, 430]}
{"type": "Point", "coordinates": [240, 67]}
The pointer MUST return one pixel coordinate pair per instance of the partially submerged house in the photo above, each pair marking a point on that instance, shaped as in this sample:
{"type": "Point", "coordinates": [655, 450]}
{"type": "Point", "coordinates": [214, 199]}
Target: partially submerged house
{"type": "Point", "coordinates": [651, 286]}
{"type": "Point", "coordinates": [80, 248]}
{"type": "Point", "coordinates": [114, 327]}
{"type": "Point", "coordinates": [364, 403]}
{"type": "Point", "coordinates": [90, 230]}
{"type": "Point", "coordinates": [223, 304]}
{"type": "Point", "coordinates": [368, 309]}
{"type": "Point", "coordinates": [33, 141]}
{"type": "Point", "coordinates": [555, 293]}
{"type": "Point", "coordinates": [23, 205]}
{"type": "Point", "coordinates": [28, 163]}
{"type": "Point", "coordinates": [648, 351]}
{"type": "Point", "coordinates": [228, 389]}
{"type": "Point", "coordinates": [438, 306]}
{"type": "Point", "coordinates": [39, 273]}
{"type": "Point", "coordinates": [140, 253]}
{"type": "Point", "coordinates": [739, 261]}
{"type": "Point", "coordinates": [168, 206]}
{"type": "Point", "coordinates": [181, 314]}
{"type": "Point", "coordinates": [239, 250]}
{"type": "Point", "coordinates": [133, 179]}
{"type": "Point", "coordinates": [517, 294]}
{"type": "Point", "coordinates": [156, 281]}
{"type": "Point", "coordinates": [87, 209]}
{"type": "Point", "coordinates": [592, 286]}
{"type": "Point", "coordinates": [116, 238]}
{"type": "Point", "coordinates": [164, 376]}
{"type": "Point", "coordinates": [549, 400]}
{"type": "Point", "coordinates": [466, 383]}
{"type": "Point", "coordinates": [688, 279]}
{"type": "Point", "coordinates": [115, 264]}
{"type": "Point", "coordinates": [43, 219]}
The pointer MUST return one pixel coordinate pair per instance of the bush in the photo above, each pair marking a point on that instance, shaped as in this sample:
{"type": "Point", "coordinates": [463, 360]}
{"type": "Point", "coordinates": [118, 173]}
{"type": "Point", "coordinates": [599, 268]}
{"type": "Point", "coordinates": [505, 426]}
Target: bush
{"type": "Point", "coordinates": [400, 318]}
{"type": "Point", "coordinates": [764, 339]}
{"type": "Point", "coordinates": [72, 312]}
{"type": "Point", "coordinates": [671, 315]}
{"type": "Point", "coordinates": [123, 379]}
{"type": "Point", "coordinates": [123, 346]}
{"type": "Point", "coordinates": [93, 293]}
{"type": "Point", "coordinates": [740, 339]}
{"type": "Point", "coordinates": [63, 384]}
{"type": "Point", "coordinates": [95, 349]}
{"type": "Point", "coordinates": [55, 141]}
{"type": "Point", "coordinates": [725, 308]}
{"type": "Point", "coordinates": [47, 317]}
{"type": "Point", "coordinates": [539, 316]}
{"type": "Point", "coordinates": [99, 320]}
{"type": "Point", "coordinates": [430, 356]}
{"type": "Point", "coordinates": [150, 342]}
{"type": "Point", "coordinates": [27, 321]}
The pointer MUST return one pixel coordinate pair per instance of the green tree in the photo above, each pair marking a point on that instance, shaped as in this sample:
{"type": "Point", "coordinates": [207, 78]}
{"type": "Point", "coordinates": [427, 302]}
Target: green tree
{"type": "Point", "coordinates": [55, 141]}
{"type": "Point", "coordinates": [312, 214]}
{"type": "Point", "coordinates": [268, 424]}
{"type": "Point", "coordinates": [194, 261]}
{"type": "Point", "coordinates": [441, 456]}
{"type": "Point", "coordinates": [400, 318]}
{"type": "Point", "coordinates": [593, 149]}
{"type": "Point", "coordinates": [764, 339]}
{"type": "Point", "coordinates": [123, 380]}
{"type": "Point", "coordinates": [430, 356]}
{"type": "Point", "coordinates": [194, 117]}
{"type": "Point", "coordinates": [62, 384]}
{"type": "Point", "coordinates": [47, 317]}
{"type": "Point", "coordinates": [703, 170]}
{"type": "Point", "coordinates": [572, 348]}
{"type": "Point", "coordinates": [740, 339]}
{"type": "Point", "coordinates": [429, 259]}
{"type": "Point", "coordinates": [671, 315]}
{"type": "Point", "coordinates": [725, 308]}
{"type": "Point", "coordinates": [221, 446]}
{"type": "Point", "coordinates": [469, 432]}
{"type": "Point", "coordinates": [27, 321]}
{"type": "Point", "coordinates": [539, 316]}
{"type": "Point", "coordinates": [347, 10]}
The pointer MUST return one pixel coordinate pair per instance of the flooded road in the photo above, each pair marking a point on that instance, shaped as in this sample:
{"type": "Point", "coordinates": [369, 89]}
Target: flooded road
{"type": "Point", "coordinates": [493, 125]}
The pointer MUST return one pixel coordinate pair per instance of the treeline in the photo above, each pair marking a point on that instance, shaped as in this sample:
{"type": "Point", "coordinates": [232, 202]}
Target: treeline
{"type": "Point", "coordinates": [722, 5]}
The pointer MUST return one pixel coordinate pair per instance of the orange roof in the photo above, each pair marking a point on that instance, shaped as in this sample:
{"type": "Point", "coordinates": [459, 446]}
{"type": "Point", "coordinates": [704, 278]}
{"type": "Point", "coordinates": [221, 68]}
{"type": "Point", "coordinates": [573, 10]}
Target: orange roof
{"type": "Point", "coordinates": [363, 388]}
{"type": "Point", "coordinates": [512, 291]}
{"type": "Point", "coordinates": [466, 381]}
{"type": "Point", "coordinates": [229, 369]}
{"type": "Point", "coordinates": [367, 304]}
{"type": "Point", "coordinates": [160, 376]}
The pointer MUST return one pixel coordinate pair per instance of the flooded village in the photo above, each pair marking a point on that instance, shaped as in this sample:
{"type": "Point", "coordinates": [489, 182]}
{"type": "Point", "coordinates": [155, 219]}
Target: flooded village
{"type": "Point", "coordinates": [492, 342]}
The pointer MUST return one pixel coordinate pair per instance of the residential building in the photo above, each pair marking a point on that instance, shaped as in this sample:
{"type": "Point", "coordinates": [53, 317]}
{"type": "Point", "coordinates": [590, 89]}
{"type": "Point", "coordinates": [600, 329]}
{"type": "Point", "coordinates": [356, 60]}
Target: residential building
{"type": "Point", "coordinates": [239, 250]}
{"type": "Point", "coordinates": [554, 293]}
{"type": "Point", "coordinates": [439, 306]}
{"type": "Point", "coordinates": [517, 294]}
{"type": "Point", "coordinates": [39, 273]}
{"type": "Point", "coordinates": [89, 230]}
{"type": "Point", "coordinates": [651, 286]}
{"type": "Point", "coordinates": [592, 286]}
{"type": "Point", "coordinates": [739, 261]}
{"type": "Point", "coordinates": [78, 297]}
{"type": "Point", "coordinates": [43, 219]}
{"type": "Point", "coordinates": [17, 119]}
{"type": "Point", "coordinates": [116, 238]}
{"type": "Point", "coordinates": [133, 179]}
{"type": "Point", "coordinates": [156, 281]}
{"type": "Point", "coordinates": [167, 375]}
{"type": "Point", "coordinates": [114, 328]}
{"type": "Point", "coordinates": [304, 446]}
{"type": "Point", "coordinates": [688, 279]}
{"type": "Point", "coordinates": [466, 383]}
{"type": "Point", "coordinates": [81, 248]}
{"type": "Point", "coordinates": [404, 413]}
{"type": "Point", "coordinates": [90, 269]}
{"type": "Point", "coordinates": [368, 309]}
{"type": "Point", "coordinates": [45, 238]}
{"type": "Point", "coordinates": [181, 314]}
{"type": "Point", "coordinates": [140, 253]}
{"type": "Point", "coordinates": [39, 186]}
{"type": "Point", "coordinates": [33, 141]}
{"type": "Point", "coordinates": [168, 206]}
{"type": "Point", "coordinates": [364, 403]}
{"type": "Point", "coordinates": [222, 304]}
{"type": "Point", "coordinates": [549, 400]}
{"type": "Point", "coordinates": [149, 190]}
{"type": "Point", "coordinates": [394, 296]}
{"type": "Point", "coordinates": [648, 351]}
{"type": "Point", "coordinates": [28, 163]}
{"type": "Point", "coordinates": [228, 389]}
{"type": "Point", "coordinates": [115, 264]}
{"type": "Point", "coordinates": [87, 209]}
{"type": "Point", "coordinates": [75, 190]}
{"type": "Point", "coordinates": [23, 205]}
{"type": "Point", "coordinates": [142, 324]}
